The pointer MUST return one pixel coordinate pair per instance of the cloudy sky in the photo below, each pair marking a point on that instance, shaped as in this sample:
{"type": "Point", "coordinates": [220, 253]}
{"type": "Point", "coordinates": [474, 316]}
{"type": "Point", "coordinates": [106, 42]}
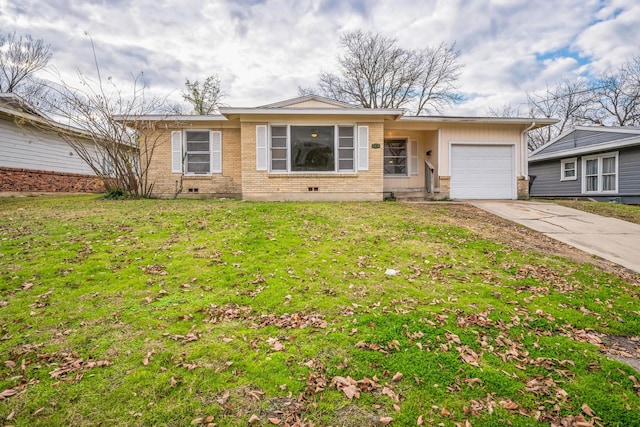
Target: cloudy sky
{"type": "Point", "coordinates": [263, 50]}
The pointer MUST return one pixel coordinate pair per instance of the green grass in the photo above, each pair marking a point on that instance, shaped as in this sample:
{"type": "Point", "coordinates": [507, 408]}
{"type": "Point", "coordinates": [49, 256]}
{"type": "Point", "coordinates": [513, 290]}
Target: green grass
{"type": "Point", "coordinates": [215, 311]}
{"type": "Point", "coordinates": [629, 213]}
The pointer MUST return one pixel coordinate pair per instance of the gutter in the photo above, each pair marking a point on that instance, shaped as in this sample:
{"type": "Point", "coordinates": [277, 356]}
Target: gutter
{"type": "Point", "coordinates": [523, 144]}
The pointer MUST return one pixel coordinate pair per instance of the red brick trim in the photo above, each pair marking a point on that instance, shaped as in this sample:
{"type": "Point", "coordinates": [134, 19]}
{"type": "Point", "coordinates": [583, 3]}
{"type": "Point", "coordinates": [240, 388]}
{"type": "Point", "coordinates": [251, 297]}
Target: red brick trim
{"type": "Point", "coordinates": [12, 179]}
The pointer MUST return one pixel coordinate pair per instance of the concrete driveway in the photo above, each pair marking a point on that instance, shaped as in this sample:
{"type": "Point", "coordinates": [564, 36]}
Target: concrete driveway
{"type": "Point", "coordinates": [609, 238]}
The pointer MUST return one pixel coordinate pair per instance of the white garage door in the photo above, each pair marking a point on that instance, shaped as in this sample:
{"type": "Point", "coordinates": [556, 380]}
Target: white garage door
{"type": "Point", "coordinates": [482, 172]}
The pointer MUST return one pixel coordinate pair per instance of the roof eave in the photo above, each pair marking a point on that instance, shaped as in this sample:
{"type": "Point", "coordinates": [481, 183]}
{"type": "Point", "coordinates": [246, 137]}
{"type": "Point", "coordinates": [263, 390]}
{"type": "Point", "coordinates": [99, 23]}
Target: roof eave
{"type": "Point", "coordinates": [169, 118]}
{"type": "Point", "coordinates": [490, 120]}
{"type": "Point", "coordinates": [611, 145]}
{"type": "Point", "coordinates": [233, 112]}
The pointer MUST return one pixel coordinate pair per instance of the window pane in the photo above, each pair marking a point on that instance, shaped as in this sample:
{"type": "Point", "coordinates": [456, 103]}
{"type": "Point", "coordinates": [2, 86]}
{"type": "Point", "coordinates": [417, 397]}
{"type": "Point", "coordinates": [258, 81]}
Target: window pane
{"type": "Point", "coordinates": [201, 136]}
{"type": "Point", "coordinates": [569, 173]}
{"type": "Point", "coordinates": [198, 163]}
{"type": "Point", "coordinates": [395, 149]}
{"type": "Point", "coordinates": [280, 142]}
{"type": "Point", "coordinates": [609, 165]}
{"type": "Point", "coordinates": [345, 142]}
{"type": "Point", "coordinates": [279, 153]}
{"type": "Point", "coordinates": [345, 153]}
{"type": "Point", "coordinates": [592, 183]}
{"type": "Point", "coordinates": [198, 146]}
{"type": "Point", "coordinates": [592, 167]}
{"type": "Point", "coordinates": [345, 131]}
{"type": "Point", "coordinates": [609, 183]}
{"type": "Point", "coordinates": [346, 164]}
{"type": "Point", "coordinates": [312, 148]}
{"type": "Point", "coordinates": [395, 169]}
{"type": "Point", "coordinates": [278, 165]}
{"type": "Point", "coordinates": [279, 131]}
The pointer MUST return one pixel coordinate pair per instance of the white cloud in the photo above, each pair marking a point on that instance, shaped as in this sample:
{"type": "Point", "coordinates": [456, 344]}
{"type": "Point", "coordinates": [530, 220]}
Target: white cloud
{"type": "Point", "coordinates": [264, 49]}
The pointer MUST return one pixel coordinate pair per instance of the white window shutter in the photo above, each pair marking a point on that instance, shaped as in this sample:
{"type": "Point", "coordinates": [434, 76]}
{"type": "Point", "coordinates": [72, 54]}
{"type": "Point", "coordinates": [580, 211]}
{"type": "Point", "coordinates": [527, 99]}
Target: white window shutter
{"type": "Point", "coordinates": [261, 148]}
{"type": "Point", "coordinates": [413, 164]}
{"type": "Point", "coordinates": [363, 148]}
{"type": "Point", "coordinates": [216, 151]}
{"type": "Point", "coordinates": [176, 151]}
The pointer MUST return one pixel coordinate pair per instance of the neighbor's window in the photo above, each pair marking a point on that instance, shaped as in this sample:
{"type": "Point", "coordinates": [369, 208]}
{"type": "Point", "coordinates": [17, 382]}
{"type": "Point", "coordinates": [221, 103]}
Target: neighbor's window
{"type": "Point", "coordinates": [197, 152]}
{"type": "Point", "coordinates": [600, 173]}
{"type": "Point", "coordinates": [312, 148]}
{"type": "Point", "coordinates": [568, 169]}
{"type": "Point", "coordinates": [395, 157]}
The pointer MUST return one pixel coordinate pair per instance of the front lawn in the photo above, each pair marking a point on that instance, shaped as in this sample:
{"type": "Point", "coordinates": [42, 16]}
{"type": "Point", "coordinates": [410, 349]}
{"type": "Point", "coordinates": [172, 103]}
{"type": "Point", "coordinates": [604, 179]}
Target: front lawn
{"type": "Point", "coordinates": [629, 213]}
{"type": "Point", "coordinates": [229, 313]}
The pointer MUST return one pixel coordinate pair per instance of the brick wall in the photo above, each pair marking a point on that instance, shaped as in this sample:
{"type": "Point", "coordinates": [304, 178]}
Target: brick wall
{"type": "Point", "coordinates": [166, 183]}
{"type": "Point", "coordinates": [262, 185]}
{"type": "Point", "coordinates": [25, 180]}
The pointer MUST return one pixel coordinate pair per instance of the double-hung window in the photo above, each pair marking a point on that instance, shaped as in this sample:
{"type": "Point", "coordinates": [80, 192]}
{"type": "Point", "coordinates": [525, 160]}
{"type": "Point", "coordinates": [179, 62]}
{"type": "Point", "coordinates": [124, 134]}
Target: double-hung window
{"type": "Point", "coordinates": [600, 173]}
{"type": "Point", "coordinates": [569, 169]}
{"type": "Point", "coordinates": [321, 148]}
{"type": "Point", "coordinates": [197, 159]}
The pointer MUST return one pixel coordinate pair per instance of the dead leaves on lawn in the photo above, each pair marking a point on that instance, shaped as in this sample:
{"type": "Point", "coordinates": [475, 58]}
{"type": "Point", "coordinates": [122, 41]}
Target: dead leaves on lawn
{"type": "Point", "coordinates": [66, 367]}
{"type": "Point", "coordinates": [233, 312]}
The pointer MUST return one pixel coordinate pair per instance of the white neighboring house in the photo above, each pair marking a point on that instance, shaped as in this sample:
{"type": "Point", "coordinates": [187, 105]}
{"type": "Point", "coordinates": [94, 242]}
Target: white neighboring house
{"type": "Point", "coordinates": [34, 160]}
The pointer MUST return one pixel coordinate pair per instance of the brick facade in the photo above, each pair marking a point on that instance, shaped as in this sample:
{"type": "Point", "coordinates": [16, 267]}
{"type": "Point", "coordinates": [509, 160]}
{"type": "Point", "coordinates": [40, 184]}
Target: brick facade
{"type": "Point", "coordinates": [361, 185]}
{"type": "Point", "coordinates": [217, 185]}
{"type": "Point", "coordinates": [25, 180]}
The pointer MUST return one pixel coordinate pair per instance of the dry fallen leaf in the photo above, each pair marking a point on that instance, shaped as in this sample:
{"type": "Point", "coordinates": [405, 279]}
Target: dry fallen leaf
{"type": "Point", "coordinates": [223, 399]}
{"type": "Point", "coordinates": [7, 393]}
{"type": "Point", "coordinates": [397, 377]}
{"type": "Point", "coordinates": [275, 421]}
{"type": "Point", "coordinates": [509, 404]}
{"type": "Point", "coordinates": [385, 420]}
{"type": "Point", "coordinates": [351, 391]}
{"type": "Point", "coordinates": [419, 421]}
{"type": "Point", "coordinates": [254, 419]}
{"type": "Point", "coordinates": [587, 410]}
{"type": "Point", "coordinates": [445, 412]}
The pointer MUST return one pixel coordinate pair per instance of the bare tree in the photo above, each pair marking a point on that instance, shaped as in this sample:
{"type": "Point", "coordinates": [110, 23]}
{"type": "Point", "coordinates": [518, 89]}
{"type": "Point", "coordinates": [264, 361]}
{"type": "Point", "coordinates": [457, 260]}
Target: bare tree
{"type": "Point", "coordinates": [205, 98]}
{"type": "Point", "coordinates": [97, 119]}
{"type": "Point", "coordinates": [568, 101]}
{"type": "Point", "coordinates": [20, 58]}
{"type": "Point", "coordinates": [376, 73]}
{"type": "Point", "coordinates": [617, 94]}
{"type": "Point", "coordinates": [439, 71]}
{"type": "Point", "coordinates": [506, 110]}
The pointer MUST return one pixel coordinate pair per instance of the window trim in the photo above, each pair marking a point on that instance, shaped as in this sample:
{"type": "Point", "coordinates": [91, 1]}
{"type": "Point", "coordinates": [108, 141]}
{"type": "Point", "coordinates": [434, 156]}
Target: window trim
{"type": "Point", "coordinates": [336, 148]}
{"type": "Point", "coordinates": [563, 169]}
{"type": "Point", "coordinates": [186, 152]}
{"type": "Point", "coordinates": [599, 158]}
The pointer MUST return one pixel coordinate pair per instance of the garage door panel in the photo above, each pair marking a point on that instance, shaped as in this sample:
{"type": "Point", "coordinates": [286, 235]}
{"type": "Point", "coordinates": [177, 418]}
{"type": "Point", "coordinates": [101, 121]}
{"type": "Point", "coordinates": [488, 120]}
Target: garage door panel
{"type": "Point", "coordinates": [482, 171]}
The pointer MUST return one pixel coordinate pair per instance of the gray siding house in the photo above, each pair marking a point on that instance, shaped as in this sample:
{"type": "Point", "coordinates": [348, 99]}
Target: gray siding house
{"type": "Point", "coordinates": [594, 162]}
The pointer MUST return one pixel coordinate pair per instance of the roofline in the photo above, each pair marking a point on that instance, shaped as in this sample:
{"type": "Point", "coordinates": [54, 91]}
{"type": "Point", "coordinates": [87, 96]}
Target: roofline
{"type": "Point", "coordinates": [587, 128]}
{"type": "Point", "coordinates": [227, 111]}
{"type": "Point", "coordinates": [304, 98]}
{"type": "Point", "coordinates": [620, 143]}
{"type": "Point", "coordinates": [46, 121]}
{"type": "Point", "coordinates": [497, 120]}
{"type": "Point", "coordinates": [166, 117]}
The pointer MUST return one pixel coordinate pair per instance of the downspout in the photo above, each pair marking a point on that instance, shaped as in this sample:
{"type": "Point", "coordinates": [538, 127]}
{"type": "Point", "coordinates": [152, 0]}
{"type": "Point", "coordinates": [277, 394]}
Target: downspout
{"type": "Point", "coordinates": [523, 146]}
